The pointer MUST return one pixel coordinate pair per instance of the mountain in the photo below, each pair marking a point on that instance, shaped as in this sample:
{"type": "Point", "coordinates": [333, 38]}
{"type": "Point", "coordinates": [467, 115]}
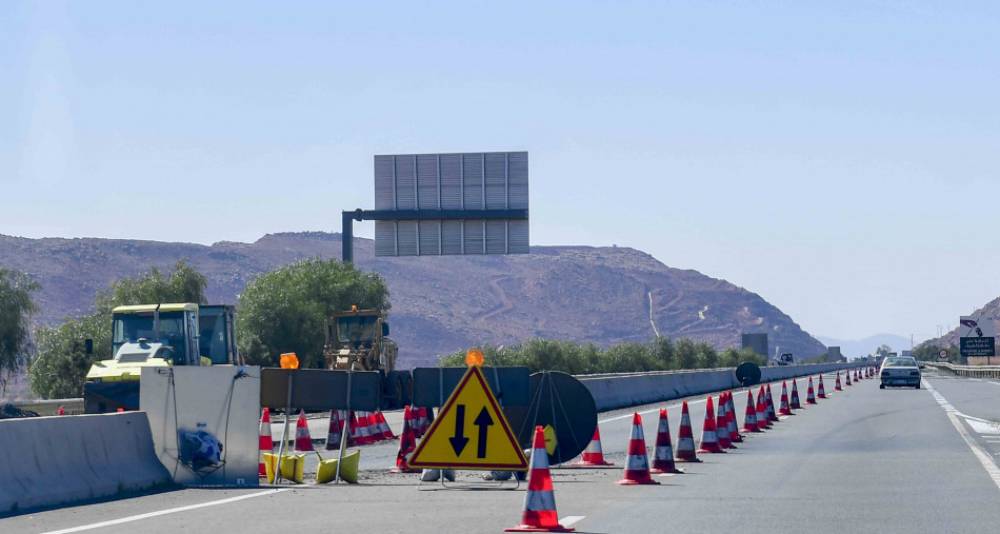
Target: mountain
{"type": "Point", "coordinates": [853, 348]}
{"type": "Point", "coordinates": [603, 295]}
{"type": "Point", "coordinates": [990, 309]}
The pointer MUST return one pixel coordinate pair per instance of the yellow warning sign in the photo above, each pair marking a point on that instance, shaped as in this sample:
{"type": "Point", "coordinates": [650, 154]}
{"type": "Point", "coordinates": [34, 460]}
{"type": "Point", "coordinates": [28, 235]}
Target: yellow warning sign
{"type": "Point", "coordinates": [470, 432]}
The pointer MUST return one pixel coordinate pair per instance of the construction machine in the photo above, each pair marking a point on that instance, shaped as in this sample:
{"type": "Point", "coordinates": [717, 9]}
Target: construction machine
{"type": "Point", "coordinates": [358, 340]}
{"type": "Point", "coordinates": [157, 335]}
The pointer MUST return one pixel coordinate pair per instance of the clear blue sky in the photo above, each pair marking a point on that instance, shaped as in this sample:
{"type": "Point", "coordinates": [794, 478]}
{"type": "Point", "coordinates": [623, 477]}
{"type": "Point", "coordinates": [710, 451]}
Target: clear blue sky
{"type": "Point", "coordinates": [839, 158]}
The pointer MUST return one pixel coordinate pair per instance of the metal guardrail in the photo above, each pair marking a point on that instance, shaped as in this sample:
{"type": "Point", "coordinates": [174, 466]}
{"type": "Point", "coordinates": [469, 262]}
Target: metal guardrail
{"type": "Point", "coordinates": [50, 406]}
{"type": "Point", "coordinates": [970, 371]}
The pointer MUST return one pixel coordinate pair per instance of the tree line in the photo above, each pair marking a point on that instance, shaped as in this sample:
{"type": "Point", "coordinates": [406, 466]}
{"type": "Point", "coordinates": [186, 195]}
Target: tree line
{"type": "Point", "coordinates": [285, 310]}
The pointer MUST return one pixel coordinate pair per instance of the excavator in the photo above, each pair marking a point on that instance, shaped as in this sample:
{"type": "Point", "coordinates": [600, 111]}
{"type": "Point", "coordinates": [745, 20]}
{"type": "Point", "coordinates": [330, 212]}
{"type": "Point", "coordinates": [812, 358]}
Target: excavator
{"type": "Point", "coordinates": [157, 335]}
{"type": "Point", "coordinates": [358, 340]}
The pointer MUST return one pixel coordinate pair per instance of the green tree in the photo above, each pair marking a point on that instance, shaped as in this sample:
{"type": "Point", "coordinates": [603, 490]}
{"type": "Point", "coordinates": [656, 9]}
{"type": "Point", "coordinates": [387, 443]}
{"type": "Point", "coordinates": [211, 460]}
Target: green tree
{"type": "Point", "coordinates": [62, 363]}
{"type": "Point", "coordinates": [286, 310]}
{"type": "Point", "coordinates": [16, 308]}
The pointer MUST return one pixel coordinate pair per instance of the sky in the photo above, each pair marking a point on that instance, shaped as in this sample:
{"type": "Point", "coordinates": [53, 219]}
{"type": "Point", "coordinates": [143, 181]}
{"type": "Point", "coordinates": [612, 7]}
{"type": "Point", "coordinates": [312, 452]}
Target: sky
{"type": "Point", "coordinates": [837, 158]}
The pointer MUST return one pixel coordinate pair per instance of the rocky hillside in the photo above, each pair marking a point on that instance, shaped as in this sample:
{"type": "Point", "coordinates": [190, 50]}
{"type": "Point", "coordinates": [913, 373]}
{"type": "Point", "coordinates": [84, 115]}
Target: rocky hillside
{"type": "Point", "coordinates": [443, 304]}
{"type": "Point", "coordinates": [990, 309]}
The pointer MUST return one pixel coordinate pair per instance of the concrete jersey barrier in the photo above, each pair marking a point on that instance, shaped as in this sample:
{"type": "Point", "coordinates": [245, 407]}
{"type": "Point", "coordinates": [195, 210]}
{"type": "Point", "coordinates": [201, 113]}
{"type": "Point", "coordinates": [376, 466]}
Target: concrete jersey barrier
{"type": "Point", "coordinates": [612, 391]}
{"type": "Point", "coordinates": [48, 461]}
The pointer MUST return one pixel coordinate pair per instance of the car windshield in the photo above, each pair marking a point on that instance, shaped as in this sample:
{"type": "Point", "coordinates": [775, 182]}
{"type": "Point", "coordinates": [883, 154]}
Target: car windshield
{"type": "Point", "coordinates": [130, 327]}
{"type": "Point", "coordinates": [900, 362]}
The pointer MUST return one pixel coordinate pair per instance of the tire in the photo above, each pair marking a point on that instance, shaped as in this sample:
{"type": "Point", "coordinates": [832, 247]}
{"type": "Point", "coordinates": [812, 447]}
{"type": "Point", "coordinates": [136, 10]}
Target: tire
{"type": "Point", "coordinates": [881, 386]}
{"type": "Point", "coordinates": [916, 386]}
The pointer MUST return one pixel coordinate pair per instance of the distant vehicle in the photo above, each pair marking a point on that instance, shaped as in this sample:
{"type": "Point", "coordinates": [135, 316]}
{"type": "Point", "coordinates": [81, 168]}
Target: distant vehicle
{"type": "Point", "coordinates": [785, 359]}
{"type": "Point", "coordinates": [899, 371]}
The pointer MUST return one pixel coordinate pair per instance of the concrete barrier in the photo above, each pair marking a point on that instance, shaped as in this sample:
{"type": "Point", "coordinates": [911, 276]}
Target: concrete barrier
{"type": "Point", "coordinates": [612, 391]}
{"type": "Point", "coordinates": [48, 461]}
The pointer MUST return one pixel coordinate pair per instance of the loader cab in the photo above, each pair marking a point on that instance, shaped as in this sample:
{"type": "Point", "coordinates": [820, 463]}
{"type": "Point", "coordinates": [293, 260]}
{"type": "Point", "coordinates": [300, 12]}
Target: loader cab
{"type": "Point", "coordinates": [175, 326]}
{"type": "Point", "coordinates": [216, 338]}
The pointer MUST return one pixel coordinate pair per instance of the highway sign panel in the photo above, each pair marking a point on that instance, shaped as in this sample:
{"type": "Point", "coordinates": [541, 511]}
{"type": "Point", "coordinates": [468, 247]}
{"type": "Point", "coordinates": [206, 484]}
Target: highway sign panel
{"type": "Point", "coordinates": [451, 204]}
{"type": "Point", "coordinates": [470, 432]}
{"type": "Point", "coordinates": [977, 346]}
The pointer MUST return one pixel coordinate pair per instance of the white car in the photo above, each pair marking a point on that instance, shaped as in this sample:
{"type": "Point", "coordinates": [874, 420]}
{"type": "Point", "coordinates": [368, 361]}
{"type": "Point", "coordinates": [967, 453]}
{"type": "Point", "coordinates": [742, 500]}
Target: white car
{"type": "Point", "coordinates": [899, 371]}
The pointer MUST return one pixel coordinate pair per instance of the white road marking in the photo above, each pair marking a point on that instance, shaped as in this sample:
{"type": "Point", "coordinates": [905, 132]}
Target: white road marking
{"type": "Point", "coordinates": [674, 406]}
{"type": "Point", "coordinates": [571, 520]}
{"type": "Point", "coordinates": [139, 517]}
{"type": "Point", "coordinates": [953, 415]}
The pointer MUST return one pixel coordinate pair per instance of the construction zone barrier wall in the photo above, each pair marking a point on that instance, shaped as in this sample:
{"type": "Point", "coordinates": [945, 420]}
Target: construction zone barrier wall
{"type": "Point", "coordinates": [48, 461]}
{"type": "Point", "coordinates": [612, 391]}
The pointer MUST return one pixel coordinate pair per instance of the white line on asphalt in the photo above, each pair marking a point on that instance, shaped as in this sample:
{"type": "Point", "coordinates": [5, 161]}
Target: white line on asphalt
{"type": "Point", "coordinates": [984, 457]}
{"type": "Point", "coordinates": [644, 412]}
{"type": "Point", "coordinates": [138, 517]}
{"type": "Point", "coordinates": [571, 520]}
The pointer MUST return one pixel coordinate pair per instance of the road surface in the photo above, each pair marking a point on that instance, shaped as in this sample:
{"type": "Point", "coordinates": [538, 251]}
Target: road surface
{"type": "Point", "coordinates": [865, 460]}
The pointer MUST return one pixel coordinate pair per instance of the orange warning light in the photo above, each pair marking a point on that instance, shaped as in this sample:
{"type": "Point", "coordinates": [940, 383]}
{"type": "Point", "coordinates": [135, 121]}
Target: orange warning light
{"type": "Point", "coordinates": [289, 360]}
{"type": "Point", "coordinates": [474, 358]}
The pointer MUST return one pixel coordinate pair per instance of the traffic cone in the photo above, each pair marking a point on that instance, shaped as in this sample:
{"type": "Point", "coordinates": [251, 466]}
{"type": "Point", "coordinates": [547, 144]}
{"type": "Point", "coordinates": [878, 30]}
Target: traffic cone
{"type": "Point", "coordinates": [303, 442]}
{"type": "Point", "coordinates": [810, 395]}
{"type": "Point", "coordinates": [820, 390]}
{"type": "Point", "coordinates": [264, 442]}
{"type": "Point", "coordinates": [593, 455]}
{"type": "Point", "coordinates": [836, 385]}
{"type": "Point", "coordinates": [783, 408]}
{"type": "Point", "coordinates": [721, 430]}
{"type": "Point", "coordinates": [663, 454]}
{"type": "Point", "coordinates": [407, 443]}
{"type": "Point", "coordinates": [772, 414]}
{"type": "Point", "coordinates": [763, 421]}
{"type": "Point", "coordinates": [795, 404]}
{"type": "Point", "coordinates": [685, 438]}
{"type": "Point", "coordinates": [540, 501]}
{"type": "Point", "coordinates": [750, 418]}
{"type": "Point", "coordinates": [847, 378]}
{"type": "Point", "coordinates": [373, 430]}
{"type": "Point", "coordinates": [731, 424]}
{"type": "Point", "coordinates": [334, 432]}
{"type": "Point", "coordinates": [709, 437]}
{"type": "Point", "coordinates": [61, 410]}
{"type": "Point", "coordinates": [383, 426]}
{"type": "Point", "coordinates": [359, 429]}
{"type": "Point", "coordinates": [637, 463]}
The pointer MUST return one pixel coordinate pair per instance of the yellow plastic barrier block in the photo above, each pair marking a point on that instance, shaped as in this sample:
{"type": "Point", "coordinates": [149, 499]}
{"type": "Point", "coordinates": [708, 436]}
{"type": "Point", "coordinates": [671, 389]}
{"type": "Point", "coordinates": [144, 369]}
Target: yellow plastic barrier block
{"type": "Point", "coordinates": [292, 466]}
{"type": "Point", "coordinates": [348, 472]}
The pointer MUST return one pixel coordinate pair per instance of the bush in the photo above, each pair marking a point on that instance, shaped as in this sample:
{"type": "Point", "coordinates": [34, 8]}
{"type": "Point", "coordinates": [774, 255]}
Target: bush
{"type": "Point", "coordinates": [661, 354]}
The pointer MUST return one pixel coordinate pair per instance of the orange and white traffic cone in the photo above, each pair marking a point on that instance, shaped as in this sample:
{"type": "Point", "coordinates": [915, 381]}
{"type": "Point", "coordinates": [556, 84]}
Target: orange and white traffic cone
{"type": "Point", "coordinates": [637, 463]}
{"type": "Point", "coordinates": [540, 501]}
{"type": "Point", "coordinates": [820, 390]}
{"type": "Point", "coordinates": [836, 385]}
{"type": "Point", "coordinates": [763, 421]}
{"type": "Point", "coordinates": [407, 443]}
{"type": "Point", "coordinates": [663, 453]}
{"type": "Point", "coordinates": [784, 408]}
{"type": "Point", "coordinates": [264, 442]}
{"type": "Point", "coordinates": [796, 404]}
{"type": "Point", "coordinates": [750, 418]}
{"type": "Point", "coordinates": [373, 430]}
{"type": "Point", "coordinates": [721, 430]}
{"type": "Point", "coordinates": [593, 455]}
{"type": "Point", "coordinates": [335, 429]}
{"type": "Point", "coordinates": [847, 378]}
{"type": "Point", "coordinates": [685, 438]}
{"type": "Point", "coordinates": [303, 441]}
{"type": "Point", "coordinates": [810, 394]}
{"type": "Point", "coordinates": [731, 424]}
{"type": "Point", "coordinates": [772, 414]}
{"type": "Point", "coordinates": [709, 437]}
{"type": "Point", "coordinates": [359, 429]}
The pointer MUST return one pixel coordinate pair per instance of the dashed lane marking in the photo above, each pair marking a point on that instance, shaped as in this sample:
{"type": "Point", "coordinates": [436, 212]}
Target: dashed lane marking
{"type": "Point", "coordinates": [140, 517]}
{"type": "Point", "coordinates": [953, 415]}
{"type": "Point", "coordinates": [571, 520]}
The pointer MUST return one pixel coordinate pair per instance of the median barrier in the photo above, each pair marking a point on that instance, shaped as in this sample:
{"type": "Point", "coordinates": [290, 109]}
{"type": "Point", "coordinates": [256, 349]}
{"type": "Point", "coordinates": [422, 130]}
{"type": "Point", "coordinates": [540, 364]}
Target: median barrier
{"type": "Point", "coordinates": [621, 390]}
{"type": "Point", "coordinates": [970, 371]}
{"type": "Point", "coordinates": [49, 461]}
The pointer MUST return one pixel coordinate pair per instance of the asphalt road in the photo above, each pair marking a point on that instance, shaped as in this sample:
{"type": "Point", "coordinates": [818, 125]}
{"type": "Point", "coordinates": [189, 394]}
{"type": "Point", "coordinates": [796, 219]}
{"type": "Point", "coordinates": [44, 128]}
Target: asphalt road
{"type": "Point", "coordinates": [865, 460]}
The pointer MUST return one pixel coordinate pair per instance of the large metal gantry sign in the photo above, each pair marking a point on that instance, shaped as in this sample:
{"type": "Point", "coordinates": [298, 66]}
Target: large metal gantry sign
{"type": "Point", "coordinates": [446, 204]}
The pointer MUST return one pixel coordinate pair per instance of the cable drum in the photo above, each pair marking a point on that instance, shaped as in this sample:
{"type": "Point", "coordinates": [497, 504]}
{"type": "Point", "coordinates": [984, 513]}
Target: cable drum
{"type": "Point", "coordinates": [748, 374]}
{"type": "Point", "coordinates": [563, 404]}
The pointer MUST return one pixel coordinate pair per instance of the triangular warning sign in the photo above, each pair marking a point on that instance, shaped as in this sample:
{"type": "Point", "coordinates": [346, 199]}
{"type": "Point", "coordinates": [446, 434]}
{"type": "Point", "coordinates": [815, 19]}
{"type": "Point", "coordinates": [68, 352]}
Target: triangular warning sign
{"type": "Point", "coordinates": [470, 432]}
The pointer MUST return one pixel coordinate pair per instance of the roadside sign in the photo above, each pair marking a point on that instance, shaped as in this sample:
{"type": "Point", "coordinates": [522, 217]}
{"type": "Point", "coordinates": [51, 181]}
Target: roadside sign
{"type": "Point", "coordinates": [943, 355]}
{"type": "Point", "coordinates": [470, 432]}
{"type": "Point", "coordinates": [977, 346]}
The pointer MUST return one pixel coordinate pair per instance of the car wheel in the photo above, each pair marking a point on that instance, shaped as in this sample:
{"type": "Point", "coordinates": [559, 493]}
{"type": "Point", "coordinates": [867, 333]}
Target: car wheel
{"type": "Point", "coordinates": [916, 386]}
{"type": "Point", "coordinates": [881, 386]}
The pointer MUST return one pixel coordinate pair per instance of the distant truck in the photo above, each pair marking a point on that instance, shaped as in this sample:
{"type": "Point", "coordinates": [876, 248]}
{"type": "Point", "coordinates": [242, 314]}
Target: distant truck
{"type": "Point", "coordinates": [784, 359]}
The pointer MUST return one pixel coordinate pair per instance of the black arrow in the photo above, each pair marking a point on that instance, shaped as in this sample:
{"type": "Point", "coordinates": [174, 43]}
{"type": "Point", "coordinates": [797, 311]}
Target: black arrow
{"type": "Point", "coordinates": [459, 440]}
{"type": "Point", "coordinates": [483, 421]}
